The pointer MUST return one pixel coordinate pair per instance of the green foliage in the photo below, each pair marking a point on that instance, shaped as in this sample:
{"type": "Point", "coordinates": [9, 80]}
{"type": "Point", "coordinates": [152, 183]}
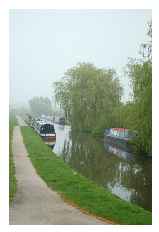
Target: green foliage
{"type": "Point", "coordinates": [140, 73]}
{"type": "Point", "coordinates": [91, 98]}
{"type": "Point", "coordinates": [40, 105]}
{"type": "Point", "coordinates": [12, 178]}
{"type": "Point", "coordinates": [88, 95]}
{"type": "Point", "coordinates": [141, 117]}
{"type": "Point", "coordinates": [78, 189]}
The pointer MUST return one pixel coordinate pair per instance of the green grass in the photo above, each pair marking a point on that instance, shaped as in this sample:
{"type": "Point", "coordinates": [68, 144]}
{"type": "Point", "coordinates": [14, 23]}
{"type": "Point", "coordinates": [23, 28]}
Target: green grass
{"type": "Point", "coordinates": [78, 189]}
{"type": "Point", "coordinates": [12, 178]}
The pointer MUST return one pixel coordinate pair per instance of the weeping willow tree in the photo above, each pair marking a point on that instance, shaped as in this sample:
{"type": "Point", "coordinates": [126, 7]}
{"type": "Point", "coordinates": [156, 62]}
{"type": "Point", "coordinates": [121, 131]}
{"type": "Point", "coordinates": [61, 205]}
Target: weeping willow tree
{"type": "Point", "coordinates": [89, 97]}
{"type": "Point", "coordinates": [140, 114]}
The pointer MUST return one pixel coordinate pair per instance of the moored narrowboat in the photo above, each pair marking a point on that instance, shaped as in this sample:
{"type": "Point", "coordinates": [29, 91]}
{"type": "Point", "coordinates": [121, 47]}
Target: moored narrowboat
{"type": "Point", "coordinates": [120, 137]}
{"type": "Point", "coordinates": [47, 132]}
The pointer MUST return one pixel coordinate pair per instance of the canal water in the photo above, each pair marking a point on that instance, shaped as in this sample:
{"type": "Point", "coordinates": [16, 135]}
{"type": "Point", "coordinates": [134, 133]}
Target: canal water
{"type": "Point", "coordinates": [126, 175]}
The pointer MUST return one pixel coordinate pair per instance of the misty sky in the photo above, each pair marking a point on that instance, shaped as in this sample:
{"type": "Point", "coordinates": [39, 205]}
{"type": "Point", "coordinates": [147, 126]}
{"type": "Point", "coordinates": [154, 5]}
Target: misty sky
{"type": "Point", "coordinates": [45, 43]}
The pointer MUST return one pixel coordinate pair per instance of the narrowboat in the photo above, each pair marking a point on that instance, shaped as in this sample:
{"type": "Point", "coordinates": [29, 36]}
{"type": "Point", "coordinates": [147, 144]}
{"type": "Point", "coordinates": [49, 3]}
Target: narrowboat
{"type": "Point", "coordinates": [119, 137]}
{"type": "Point", "coordinates": [47, 132]}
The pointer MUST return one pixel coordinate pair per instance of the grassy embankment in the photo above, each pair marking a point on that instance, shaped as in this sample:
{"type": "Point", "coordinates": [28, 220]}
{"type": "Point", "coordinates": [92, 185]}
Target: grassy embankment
{"type": "Point", "coordinates": [12, 178]}
{"type": "Point", "coordinates": [78, 189]}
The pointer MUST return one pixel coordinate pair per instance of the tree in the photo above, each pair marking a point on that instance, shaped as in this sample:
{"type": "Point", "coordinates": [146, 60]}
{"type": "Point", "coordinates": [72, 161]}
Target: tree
{"type": "Point", "coordinates": [140, 73]}
{"type": "Point", "coordinates": [88, 96]}
{"type": "Point", "coordinates": [146, 48]}
{"type": "Point", "coordinates": [40, 105]}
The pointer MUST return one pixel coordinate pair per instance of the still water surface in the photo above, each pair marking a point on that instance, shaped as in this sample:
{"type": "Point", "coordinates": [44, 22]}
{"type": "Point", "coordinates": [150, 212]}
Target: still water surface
{"type": "Point", "coordinates": [124, 174]}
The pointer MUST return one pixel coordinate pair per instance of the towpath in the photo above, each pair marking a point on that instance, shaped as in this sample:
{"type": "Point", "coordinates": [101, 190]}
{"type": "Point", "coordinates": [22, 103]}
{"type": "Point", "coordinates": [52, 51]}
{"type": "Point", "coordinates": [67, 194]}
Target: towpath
{"type": "Point", "coordinates": [35, 203]}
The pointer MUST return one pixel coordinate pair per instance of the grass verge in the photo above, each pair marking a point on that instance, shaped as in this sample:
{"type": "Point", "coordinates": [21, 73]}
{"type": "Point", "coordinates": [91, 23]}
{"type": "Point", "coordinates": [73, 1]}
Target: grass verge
{"type": "Point", "coordinates": [78, 189]}
{"type": "Point", "coordinates": [12, 177]}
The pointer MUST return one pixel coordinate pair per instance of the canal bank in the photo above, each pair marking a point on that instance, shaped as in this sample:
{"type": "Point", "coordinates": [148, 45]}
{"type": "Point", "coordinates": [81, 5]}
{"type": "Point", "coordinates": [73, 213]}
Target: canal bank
{"type": "Point", "coordinates": [34, 202]}
{"type": "Point", "coordinates": [77, 189]}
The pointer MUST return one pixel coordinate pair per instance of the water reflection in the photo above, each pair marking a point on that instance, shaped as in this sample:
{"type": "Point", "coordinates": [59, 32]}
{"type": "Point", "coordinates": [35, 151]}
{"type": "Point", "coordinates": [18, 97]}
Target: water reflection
{"type": "Point", "coordinates": [117, 151]}
{"type": "Point", "coordinates": [124, 174]}
{"type": "Point", "coordinates": [63, 136]}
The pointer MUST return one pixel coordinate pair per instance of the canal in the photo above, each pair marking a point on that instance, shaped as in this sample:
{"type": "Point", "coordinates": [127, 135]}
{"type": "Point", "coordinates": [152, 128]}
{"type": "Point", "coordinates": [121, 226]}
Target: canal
{"type": "Point", "coordinates": [126, 175]}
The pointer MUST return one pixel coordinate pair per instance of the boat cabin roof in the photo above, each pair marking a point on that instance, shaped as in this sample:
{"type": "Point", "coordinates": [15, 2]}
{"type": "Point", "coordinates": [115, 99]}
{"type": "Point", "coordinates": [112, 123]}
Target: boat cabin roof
{"type": "Point", "coordinates": [45, 123]}
{"type": "Point", "coordinates": [119, 129]}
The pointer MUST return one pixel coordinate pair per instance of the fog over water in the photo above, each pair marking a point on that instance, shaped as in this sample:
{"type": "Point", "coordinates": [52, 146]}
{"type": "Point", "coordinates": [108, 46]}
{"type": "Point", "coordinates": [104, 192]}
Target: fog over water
{"type": "Point", "coordinates": [45, 43]}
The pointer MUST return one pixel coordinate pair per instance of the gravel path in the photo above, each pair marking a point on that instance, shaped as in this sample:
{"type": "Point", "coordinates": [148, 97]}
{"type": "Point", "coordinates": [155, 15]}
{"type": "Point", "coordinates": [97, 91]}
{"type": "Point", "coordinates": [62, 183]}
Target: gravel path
{"type": "Point", "coordinates": [34, 202]}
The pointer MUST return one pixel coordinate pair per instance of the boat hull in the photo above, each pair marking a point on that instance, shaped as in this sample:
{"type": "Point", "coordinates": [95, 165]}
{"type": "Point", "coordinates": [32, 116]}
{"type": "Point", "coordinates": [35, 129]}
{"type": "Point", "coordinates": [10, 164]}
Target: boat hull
{"type": "Point", "coordinates": [49, 140]}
